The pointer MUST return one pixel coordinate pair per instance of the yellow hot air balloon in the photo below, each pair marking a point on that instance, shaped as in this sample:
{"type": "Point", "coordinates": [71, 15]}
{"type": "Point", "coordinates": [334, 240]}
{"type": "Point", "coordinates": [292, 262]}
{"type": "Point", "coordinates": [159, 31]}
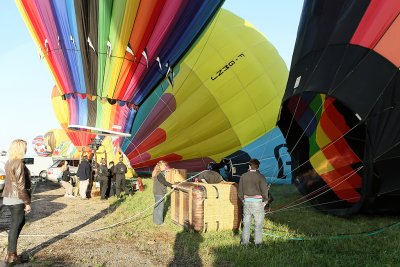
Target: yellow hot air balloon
{"type": "Point", "coordinates": [224, 95]}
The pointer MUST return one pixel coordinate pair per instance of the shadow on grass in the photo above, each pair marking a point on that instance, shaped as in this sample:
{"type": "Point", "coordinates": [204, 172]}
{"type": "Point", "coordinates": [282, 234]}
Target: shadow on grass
{"type": "Point", "coordinates": [186, 249]}
{"type": "Point", "coordinates": [31, 252]}
{"type": "Point", "coordinates": [38, 211]}
{"type": "Point", "coordinates": [323, 245]}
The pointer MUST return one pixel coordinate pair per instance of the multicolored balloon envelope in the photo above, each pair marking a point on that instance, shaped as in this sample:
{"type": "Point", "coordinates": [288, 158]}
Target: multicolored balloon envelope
{"type": "Point", "coordinates": [63, 111]}
{"type": "Point", "coordinates": [39, 146]}
{"type": "Point", "coordinates": [225, 96]}
{"type": "Point", "coordinates": [59, 144]}
{"type": "Point", "coordinates": [341, 109]}
{"type": "Point", "coordinates": [108, 55]}
{"type": "Point", "coordinates": [55, 143]}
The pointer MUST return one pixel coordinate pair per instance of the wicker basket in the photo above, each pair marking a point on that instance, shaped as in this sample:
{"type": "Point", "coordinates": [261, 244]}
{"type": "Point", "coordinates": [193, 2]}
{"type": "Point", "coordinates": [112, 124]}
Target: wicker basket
{"type": "Point", "coordinates": [175, 175]}
{"type": "Point", "coordinates": [206, 207]}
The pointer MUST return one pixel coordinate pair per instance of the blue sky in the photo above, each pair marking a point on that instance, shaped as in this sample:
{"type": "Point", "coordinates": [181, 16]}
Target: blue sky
{"type": "Point", "coordinates": [26, 83]}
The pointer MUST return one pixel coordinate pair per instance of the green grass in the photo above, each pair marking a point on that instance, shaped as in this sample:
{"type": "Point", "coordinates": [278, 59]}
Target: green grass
{"type": "Point", "coordinates": [170, 242]}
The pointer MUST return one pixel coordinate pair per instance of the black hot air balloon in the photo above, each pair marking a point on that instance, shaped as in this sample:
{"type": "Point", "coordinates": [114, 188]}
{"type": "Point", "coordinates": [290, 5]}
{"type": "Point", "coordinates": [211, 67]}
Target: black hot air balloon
{"type": "Point", "coordinates": [340, 112]}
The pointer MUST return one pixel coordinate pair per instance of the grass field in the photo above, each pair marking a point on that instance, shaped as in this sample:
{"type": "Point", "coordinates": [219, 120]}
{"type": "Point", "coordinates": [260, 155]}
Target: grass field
{"type": "Point", "coordinates": [300, 236]}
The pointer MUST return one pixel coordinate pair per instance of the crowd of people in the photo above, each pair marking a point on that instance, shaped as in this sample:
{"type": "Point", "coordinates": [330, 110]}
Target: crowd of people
{"type": "Point", "coordinates": [252, 191]}
{"type": "Point", "coordinates": [111, 179]}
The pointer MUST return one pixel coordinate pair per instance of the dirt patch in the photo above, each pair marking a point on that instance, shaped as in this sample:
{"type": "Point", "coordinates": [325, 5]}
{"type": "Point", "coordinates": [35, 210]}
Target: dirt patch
{"type": "Point", "coordinates": [60, 232]}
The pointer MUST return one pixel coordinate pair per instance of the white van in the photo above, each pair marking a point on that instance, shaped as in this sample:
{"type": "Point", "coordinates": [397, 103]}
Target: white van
{"type": "Point", "coordinates": [54, 171]}
{"type": "Point", "coordinates": [38, 165]}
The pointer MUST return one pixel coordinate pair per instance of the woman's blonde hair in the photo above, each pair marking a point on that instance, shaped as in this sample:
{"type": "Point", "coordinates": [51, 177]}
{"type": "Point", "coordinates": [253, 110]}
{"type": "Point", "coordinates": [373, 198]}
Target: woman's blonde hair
{"type": "Point", "coordinates": [157, 168]}
{"type": "Point", "coordinates": [17, 149]}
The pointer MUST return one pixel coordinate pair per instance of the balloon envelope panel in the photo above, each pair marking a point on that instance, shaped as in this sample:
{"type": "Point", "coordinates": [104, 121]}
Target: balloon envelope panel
{"type": "Point", "coordinates": [107, 56]}
{"type": "Point", "coordinates": [340, 106]}
{"type": "Point", "coordinates": [224, 95]}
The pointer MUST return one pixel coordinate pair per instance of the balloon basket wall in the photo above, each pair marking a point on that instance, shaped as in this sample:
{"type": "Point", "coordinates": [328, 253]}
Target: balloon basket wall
{"type": "Point", "coordinates": [206, 207]}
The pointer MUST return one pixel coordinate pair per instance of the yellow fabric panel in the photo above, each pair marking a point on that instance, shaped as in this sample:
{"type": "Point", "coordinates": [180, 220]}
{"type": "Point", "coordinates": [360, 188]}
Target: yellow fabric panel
{"type": "Point", "coordinates": [321, 163]}
{"type": "Point", "coordinates": [267, 116]}
{"type": "Point", "coordinates": [258, 96]}
{"type": "Point", "coordinates": [238, 108]}
{"type": "Point", "coordinates": [60, 108]}
{"type": "Point", "coordinates": [119, 41]}
{"type": "Point", "coordinates": [104, 123]}
{"type": "Point", "coordinates": [249, 129]}
{"type": "Point", "coordinates": [187, 139]}
{"type": "Point", "coordinates": [321, 138]}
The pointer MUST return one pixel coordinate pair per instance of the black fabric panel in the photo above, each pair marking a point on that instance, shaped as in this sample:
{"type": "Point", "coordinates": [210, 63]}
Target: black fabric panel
{"type": "Point", "coordinates": [384, 123]}
{"type": "Point", "coordinates": [352, 74]}
{"type": "Point", "coordinates": [237, 157]}
{"type": "Point", "coordinates": [365, 84]}
{"type": "Point", "coordinates": [384, 195]}
{"type": "Point", "coordinates": [333, 66]}
{"type": "Point", "coordinates": [388, 173]}
{"type": "Point", "coordinates": [303, 69]}
{"type": "Point", "coordinates": [87, 21]}
{"type": "Point", "coordinates": [325, 22]}
{"type": "Point", "coordinates": [321, 71]}
{"type": "Point", "coordinates": [348, 21]}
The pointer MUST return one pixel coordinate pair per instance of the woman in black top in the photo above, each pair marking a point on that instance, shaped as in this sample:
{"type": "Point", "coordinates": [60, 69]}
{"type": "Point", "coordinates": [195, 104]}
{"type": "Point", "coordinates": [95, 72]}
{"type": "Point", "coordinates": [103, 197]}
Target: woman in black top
{"type": "Point", "coordinates": [159, 190]}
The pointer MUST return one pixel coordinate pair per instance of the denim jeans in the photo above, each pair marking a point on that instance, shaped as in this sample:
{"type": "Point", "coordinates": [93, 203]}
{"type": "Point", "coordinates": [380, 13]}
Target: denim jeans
{"type": "Point", "coordinates": [256, 210]}
{"type": "Point", "coordinates": [17, 222]}
{"type": "Point", "coordinates": [158, 214]}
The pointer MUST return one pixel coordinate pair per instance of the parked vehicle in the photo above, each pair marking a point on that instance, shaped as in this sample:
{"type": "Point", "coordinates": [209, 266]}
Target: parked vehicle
{"type": "Point", "coordinates": [54, 171]}
{"type": "Point", "coordinates": [38, 165]}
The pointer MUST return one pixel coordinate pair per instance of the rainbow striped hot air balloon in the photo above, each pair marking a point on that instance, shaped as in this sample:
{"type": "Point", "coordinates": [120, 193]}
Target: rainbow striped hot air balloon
{"type": "Point", "coordinates": [107, 56]}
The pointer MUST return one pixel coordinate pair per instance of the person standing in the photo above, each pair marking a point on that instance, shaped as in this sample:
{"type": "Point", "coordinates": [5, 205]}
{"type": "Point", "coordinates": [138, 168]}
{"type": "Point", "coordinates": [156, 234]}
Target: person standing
{"type": "Point", "coordinates": [120, 170]}
{"type": "Point", "coordinates": [111, 179]}
{"type": "Point", "coordinates": [253, 191]}
{"type": "Point", "coordinates": [160, 185]}
{"type": "Point", "coordinates": [66, 179]}
{"type": "Point", "coordinates": [211, 176]}
{"type": "Point", "coordinates": [102, 175]}
{"type": "Point", "coordinates": [84, 173]}
{"type": "Point", "coordinates": [16, 195]}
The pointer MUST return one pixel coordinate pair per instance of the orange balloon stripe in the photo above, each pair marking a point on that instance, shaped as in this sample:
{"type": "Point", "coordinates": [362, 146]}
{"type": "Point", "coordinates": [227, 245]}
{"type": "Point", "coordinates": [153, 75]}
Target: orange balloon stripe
{"type": "Point", "coordinates": [140, 36]}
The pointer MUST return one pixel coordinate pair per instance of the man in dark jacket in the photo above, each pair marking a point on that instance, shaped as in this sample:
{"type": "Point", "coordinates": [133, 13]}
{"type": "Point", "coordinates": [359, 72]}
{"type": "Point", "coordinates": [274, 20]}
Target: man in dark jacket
{"type": "Point", "coordinates": [253, 191]}
{"type": "Point", "coordinates": [102, 174]}
{"type": "Point", "coordinates": [111, 179]}
{"type": "Point", "coordinates": [84, 173]}
{"type": "Point", "coordinates": [120, 170]}
{"type": "Point", "coordinates": [211, 176]}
